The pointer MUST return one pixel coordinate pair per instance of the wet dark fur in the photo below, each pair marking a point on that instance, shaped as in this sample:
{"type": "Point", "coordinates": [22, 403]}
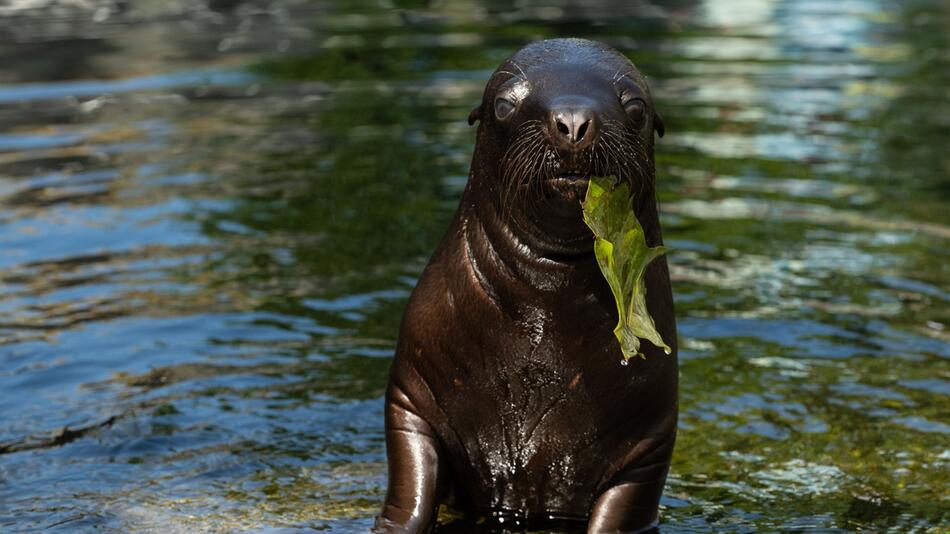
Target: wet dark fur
{"type": "Point", "coordinates": [507, 395]}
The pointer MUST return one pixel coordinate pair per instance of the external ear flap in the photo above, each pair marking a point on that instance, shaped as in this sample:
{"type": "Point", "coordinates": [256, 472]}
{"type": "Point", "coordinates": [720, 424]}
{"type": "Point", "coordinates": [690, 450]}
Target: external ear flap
{"type": "Point", "coordinates": [475, 115]}
{"type": "Point", "coordinates": [658, 123]}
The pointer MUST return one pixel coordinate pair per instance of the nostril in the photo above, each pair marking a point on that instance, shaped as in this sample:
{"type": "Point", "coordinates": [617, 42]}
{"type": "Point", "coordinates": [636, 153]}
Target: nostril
{"type": "Point", "coordinates": [572, 127]}
{"type": "Point", "coordinates": [582, 131]}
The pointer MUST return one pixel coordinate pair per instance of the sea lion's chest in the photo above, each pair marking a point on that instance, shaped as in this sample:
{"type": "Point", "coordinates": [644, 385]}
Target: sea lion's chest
{"type": "Point", "coordinates": [531, 399]}
{"type": "Point", "coordinates": [526, 383]}
{"type": "Point", "coordinates": [549, 366]}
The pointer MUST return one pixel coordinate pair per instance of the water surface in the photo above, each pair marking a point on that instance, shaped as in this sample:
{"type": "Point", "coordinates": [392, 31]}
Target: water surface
{"type": "Point", "coordinates": [212, 213]}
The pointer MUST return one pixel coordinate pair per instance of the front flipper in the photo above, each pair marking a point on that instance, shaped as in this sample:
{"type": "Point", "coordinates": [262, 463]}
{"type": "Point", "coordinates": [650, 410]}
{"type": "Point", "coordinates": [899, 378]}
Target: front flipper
{"type": "Point", "coordinates": [626, 509]}
{"type": "Point", "coordinates": [631, 502]}
{"type": "Point", "coordinates": [414, 464]}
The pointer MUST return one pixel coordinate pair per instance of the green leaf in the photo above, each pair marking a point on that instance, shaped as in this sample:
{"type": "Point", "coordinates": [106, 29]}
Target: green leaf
{"type": "Point", "coordinates": [623, 255]}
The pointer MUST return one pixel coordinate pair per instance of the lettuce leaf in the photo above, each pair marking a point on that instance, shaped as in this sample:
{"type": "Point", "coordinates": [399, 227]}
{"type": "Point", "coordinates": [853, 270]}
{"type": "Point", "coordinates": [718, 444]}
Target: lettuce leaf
{"type": "Point", "coordinates": [623, 255]}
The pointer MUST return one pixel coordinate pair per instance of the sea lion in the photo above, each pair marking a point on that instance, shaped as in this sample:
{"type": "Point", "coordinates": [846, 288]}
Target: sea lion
{"type": "Point", "coordinates": [507, 392]}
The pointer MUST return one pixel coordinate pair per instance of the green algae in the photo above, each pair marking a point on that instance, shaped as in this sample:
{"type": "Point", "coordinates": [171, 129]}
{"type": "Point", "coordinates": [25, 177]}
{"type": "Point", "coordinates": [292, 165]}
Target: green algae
{"type": "Point", "coordinates": [623, 256]}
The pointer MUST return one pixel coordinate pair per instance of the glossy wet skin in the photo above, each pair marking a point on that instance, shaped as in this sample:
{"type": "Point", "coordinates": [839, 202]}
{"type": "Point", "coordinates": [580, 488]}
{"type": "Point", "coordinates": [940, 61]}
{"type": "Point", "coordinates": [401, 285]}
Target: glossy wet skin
{"type": "Point", "coordinates": [507, 389]}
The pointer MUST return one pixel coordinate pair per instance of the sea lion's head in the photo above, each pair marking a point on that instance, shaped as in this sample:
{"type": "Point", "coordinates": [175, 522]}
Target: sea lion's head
{"type": "Point", "coordinates": [552, 115]}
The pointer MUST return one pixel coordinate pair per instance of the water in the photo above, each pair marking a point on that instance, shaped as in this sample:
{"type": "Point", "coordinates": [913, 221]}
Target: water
{"type": "Point", "coordinates": [211, 215]}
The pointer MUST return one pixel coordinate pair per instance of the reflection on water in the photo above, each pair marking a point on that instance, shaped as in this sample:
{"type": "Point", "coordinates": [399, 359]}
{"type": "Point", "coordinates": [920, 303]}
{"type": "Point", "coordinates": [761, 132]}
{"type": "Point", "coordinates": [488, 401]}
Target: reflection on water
{"type": "Point", "coordinates": [213, 212]}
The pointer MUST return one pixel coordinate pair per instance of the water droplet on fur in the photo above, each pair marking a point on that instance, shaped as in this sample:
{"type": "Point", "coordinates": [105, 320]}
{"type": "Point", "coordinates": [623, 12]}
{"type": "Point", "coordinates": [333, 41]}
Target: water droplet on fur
{"type": "Point", "coordinates": [668, 351]}
{"type": "Point", "coordinates": [624, 362]}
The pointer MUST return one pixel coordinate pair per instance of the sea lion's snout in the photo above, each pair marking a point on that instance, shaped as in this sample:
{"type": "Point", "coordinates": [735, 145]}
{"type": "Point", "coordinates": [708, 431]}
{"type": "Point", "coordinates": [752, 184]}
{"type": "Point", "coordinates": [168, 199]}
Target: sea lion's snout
{"type": "Point", "coordinates": [573, 123]}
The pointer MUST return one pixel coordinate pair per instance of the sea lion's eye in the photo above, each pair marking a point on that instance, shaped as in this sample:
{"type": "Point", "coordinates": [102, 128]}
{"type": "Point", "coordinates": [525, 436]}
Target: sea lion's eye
{"type": "Point", "coordinates": [503, 108]}
{"type": "Point", "coordinates": [635, 109]}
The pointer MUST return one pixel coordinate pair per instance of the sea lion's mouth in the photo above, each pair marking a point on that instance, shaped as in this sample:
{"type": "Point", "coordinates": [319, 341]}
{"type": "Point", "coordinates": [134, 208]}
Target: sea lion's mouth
{"type": "Point", "coordinates": [570, 184]}
{"type": "Point", "coordinates": [571, 179]}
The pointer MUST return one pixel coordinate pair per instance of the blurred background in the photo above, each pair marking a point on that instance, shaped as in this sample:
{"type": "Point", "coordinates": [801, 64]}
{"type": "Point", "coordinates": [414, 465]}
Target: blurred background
{"type": "Point", "coordinates": [212, 212]}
